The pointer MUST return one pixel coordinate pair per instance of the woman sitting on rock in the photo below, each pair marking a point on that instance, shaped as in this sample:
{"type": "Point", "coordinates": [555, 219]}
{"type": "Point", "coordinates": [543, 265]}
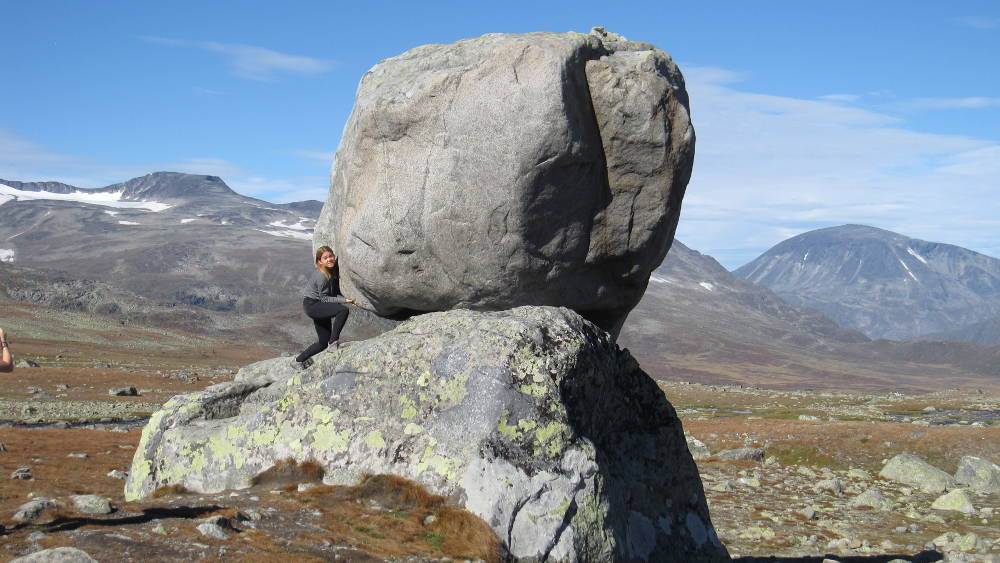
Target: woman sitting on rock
{"type": "Point", "coordinates": [6, 362]}
{"type": "Point", "coordinates": [323, 303]}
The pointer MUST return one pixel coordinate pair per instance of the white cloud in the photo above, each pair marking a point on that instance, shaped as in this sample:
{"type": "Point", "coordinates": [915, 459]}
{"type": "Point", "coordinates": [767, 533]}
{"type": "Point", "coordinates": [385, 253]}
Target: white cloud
{"type": "Point", "coordinates": [976, 102]}
{"type": "Point", "coordinates": [841, 97]}
{"type": "Point", "coordinates": [770, 167]}
{"type": "Point", "coordinates": [978, 22]}
{"type": "Point", "coordinates": [254, 63]}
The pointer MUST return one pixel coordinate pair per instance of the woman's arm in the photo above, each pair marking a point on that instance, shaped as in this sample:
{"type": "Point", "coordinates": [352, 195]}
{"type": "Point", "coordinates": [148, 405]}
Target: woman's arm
{"type": "Point", "coordinates": [6, 363]}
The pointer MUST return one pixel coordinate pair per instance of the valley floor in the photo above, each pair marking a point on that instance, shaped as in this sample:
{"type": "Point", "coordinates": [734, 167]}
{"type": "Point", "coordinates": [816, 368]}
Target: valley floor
{"type": "Point", "coordinates": [820, 450]}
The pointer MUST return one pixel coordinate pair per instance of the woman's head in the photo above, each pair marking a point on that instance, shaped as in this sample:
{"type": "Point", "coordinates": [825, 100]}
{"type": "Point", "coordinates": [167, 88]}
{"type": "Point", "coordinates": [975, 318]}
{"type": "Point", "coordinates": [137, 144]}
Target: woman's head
{"type": "Point", "coordinates": [326, 261]}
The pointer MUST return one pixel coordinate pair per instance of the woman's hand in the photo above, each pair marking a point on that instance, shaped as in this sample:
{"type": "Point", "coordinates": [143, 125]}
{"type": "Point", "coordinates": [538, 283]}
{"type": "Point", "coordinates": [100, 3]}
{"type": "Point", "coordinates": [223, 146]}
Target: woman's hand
{"type": "Point", "coordinates": [351, 301]}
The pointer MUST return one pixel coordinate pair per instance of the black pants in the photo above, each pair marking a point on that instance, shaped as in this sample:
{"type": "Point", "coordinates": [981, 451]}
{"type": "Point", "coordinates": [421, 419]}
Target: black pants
{"type": "Point", "coordinates": [329, 319]}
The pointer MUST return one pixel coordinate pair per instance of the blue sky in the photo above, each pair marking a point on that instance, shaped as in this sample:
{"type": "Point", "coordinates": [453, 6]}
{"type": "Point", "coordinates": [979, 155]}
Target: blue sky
{"type": "Point", "coordinates": [808, 114]}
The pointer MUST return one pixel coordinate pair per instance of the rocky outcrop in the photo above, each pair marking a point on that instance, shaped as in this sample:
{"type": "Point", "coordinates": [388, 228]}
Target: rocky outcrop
{"type": "Point", "coordinates": [531, 418]}
{"type": "Point", "coordinates": [506, 170]}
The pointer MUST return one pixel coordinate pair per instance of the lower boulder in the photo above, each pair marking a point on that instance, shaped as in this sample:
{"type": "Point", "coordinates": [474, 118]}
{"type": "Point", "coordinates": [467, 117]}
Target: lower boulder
{"type": "Point", "coordinates": [531, 418]}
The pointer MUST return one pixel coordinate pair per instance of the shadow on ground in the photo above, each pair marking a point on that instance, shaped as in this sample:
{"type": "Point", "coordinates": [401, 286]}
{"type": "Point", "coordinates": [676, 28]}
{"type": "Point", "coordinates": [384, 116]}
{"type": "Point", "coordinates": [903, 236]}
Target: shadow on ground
{"type": "Point", "coordinates": [148, 515]}
{"type": "Point", "coordinates": [922, 557]}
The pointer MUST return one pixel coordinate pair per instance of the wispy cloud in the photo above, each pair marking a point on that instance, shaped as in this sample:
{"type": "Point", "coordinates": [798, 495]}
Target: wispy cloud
{"type": "Point", "coordinates": [250, 62]}
{"type": "Point", "coordinates": [978, 22]}
{"type": "Point", "coordinates": [841, 97]}
{"type": "Point", "coordinates": [977, 102]}
{"type": "Point", "coordinates": [770, 166]}
{"type": "Point", "coordinates": [322, 156]}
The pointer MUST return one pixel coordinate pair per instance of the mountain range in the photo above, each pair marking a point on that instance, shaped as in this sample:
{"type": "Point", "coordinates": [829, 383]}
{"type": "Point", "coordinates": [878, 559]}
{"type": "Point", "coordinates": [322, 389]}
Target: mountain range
{"type": "Point", "coordinates": [185, 251]}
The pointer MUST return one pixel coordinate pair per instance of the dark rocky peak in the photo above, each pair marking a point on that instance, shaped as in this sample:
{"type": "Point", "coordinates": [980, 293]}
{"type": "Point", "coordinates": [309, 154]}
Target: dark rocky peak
{"type": "Point", "coordinates": [172, 185]}
{"type": "Point", "coordinates": [53, 187]}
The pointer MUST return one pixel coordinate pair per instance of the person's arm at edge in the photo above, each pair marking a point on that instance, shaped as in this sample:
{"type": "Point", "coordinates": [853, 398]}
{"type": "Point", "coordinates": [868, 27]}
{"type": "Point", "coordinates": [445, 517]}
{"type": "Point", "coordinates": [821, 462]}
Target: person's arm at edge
{"type": "Point", "coordinates": [6, 362]}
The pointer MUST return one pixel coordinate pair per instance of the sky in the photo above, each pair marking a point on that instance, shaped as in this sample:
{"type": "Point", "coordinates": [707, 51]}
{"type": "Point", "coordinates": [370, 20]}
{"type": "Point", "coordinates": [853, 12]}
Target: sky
{"type": "Point", "coordinates": [807, 114]}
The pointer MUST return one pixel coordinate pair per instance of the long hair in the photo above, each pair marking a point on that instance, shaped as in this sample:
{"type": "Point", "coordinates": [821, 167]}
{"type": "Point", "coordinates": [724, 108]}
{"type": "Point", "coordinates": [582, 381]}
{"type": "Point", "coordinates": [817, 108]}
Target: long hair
{"type": "Point", "coordinates": [329, 273]}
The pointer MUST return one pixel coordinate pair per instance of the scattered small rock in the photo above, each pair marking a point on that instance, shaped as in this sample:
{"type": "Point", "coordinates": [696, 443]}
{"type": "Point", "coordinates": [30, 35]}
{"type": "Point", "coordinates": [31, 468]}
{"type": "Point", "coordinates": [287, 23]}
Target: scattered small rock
{"type": "Point", "coordinates": [123, 391]}
{"type": "Point", "coordinates": [33, 509]}
{"type": "Point", "coordinates": [742, 454]}
{"type": "Point", "coordinates": [872, 498]}
{"type": "Point", "coordinates": [215, 527]}
{"type": "Point", "coordinates": [23, 473]}
{"type": "Point", "coordinates": [957, 500]}
{"type": "Point", "coordinates": [697, 448]}
{"type": "Point", "coordinates": [429, 519]}
{"type": "Point", "coordinates": [832, 485]}
{"type": "Point", "coordinates": [80, 456]}
{"type": "Point", "coordinates": [57, 555]}
{"type": "Point", "coordinates": [980, 474]}
{"type": "Point", "coordinates": [808, 417]}
{"type": "Point", "coordinates": [25, 364]}
{"type": "Point", "coordinates": [92, 504]}
{"type": "Point", "coordinates": [116, 474]}
{"type": "Point", "coordinates": [909, 469]}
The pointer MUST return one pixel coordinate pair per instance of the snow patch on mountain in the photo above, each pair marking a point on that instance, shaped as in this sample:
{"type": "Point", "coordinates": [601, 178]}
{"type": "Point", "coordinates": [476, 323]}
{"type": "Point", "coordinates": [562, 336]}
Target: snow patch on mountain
{"type": "Point", "coordinates": [127, 223]}
{"type": "Point", "coordinates": [708, 286]}
{"type": "Point", "coordinates": [107, 199]}
{"type": "Point", "coordinates": [288, 233]}
{"type": "Point", "coordinates": [6, 254]}
{"type": "Point", "coordinates": [908, 270]}
{"type": "Point", "coordinates": [187, 220]}
{"type": "Point", "coordinates": [915, 255]}
{"type": "Point", "coordinates": [293, 226]}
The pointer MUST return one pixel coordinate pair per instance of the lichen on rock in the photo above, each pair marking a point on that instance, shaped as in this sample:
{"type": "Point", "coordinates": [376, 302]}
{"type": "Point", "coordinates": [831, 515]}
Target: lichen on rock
{"type": "Point", "coordinates": [532, 418]}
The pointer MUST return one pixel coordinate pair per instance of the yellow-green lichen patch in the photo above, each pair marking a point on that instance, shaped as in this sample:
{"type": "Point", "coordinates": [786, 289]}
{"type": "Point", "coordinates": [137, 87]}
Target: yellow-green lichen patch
{"type": "Point", "coordinates": [438, 463]}
{"type": "Point", "coordinates": [534, 390]}
{"type": "Point", "coordinates": [452, 391]}
{"type": "Point", "coordinates": [264, 436]}
{"type": "Point", "coordinates": [409, 408]}
{"type": "Point", "coordinates": [511, 431]}
{"type": "Point", "coordinates": [424, 378]}
{"type": "Point", "coordinates": [412, 429]}
{"type": "Point", "coordinates": [221, 447]}
{"type": "Point", "coordinates": [322, 413]}
{"type": "Point", "coordinates": [551, 439]}
{"type": "Point", "coordinates": [327, 438]}
{"type": "Point", "coordinates": [562, 508]}
{"type": "Point", "coordinates": [374, 439]}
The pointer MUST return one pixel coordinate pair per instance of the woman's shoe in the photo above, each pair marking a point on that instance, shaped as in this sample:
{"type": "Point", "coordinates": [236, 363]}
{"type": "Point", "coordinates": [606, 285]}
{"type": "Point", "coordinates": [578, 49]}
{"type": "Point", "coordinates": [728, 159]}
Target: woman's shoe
{"type": "Point", "coordinates": [333, 345]}
{"type": "Point", "coordinates": [302, 365]}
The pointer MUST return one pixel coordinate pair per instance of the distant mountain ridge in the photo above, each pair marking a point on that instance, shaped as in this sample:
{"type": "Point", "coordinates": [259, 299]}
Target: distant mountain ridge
{"type": "Point", "coordinates": [882, 283]}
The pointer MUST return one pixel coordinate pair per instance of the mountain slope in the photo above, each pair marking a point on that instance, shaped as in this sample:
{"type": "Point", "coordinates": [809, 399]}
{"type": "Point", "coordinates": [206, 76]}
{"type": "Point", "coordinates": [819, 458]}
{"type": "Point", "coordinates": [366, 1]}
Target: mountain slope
{"type": "Point", "coordinates": [699, 322]}
{"type": "Point", "coordinates": [882, 283]}
{"type": "Point", "coordinates": [170, 237]}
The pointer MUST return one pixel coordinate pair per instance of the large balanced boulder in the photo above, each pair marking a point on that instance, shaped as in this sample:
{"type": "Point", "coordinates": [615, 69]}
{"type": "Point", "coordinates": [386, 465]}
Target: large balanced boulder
{"type": "Point", "coordinates": [507, 170]}
{"type": "Point", "coordinates": [531, 418]}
